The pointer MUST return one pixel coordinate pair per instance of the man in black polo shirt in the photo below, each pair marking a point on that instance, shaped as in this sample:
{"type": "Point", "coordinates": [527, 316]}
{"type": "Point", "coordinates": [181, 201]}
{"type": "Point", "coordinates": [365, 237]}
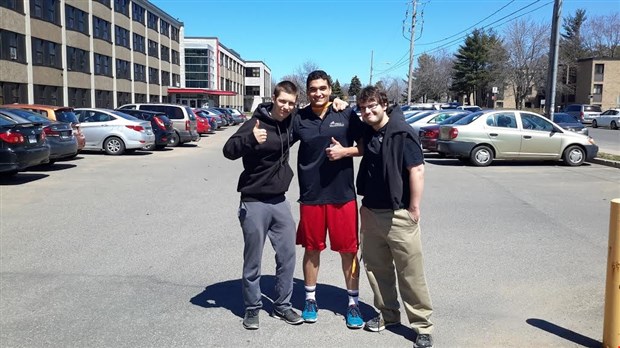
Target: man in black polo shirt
{"type": "Point", "coordinates": [391, 179]}
{"type": "Point", "coordinates": [327, 194]}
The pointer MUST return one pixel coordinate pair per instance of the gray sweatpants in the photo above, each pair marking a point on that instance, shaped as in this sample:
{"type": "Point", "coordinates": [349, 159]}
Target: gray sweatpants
{"type": "Point", "coordinates": [260, 220]}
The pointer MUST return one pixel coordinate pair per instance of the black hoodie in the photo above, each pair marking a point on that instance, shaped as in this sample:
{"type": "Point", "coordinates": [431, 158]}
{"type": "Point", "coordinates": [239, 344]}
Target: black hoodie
{"type": "Point", "coordinates": [266, 173]}
{"type": "Point", "coordinates": [396, 131]}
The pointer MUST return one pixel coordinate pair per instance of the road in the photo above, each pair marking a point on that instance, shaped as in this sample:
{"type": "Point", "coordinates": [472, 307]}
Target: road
{"type": "Point", "coordinates": [145, 250]}
{"type": "Point", "coordinates": [608, 140]}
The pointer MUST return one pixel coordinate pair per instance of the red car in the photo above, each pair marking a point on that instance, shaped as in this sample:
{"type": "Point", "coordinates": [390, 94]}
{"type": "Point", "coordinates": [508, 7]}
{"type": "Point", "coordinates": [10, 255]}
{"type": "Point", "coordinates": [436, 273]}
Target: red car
{"type": "Point", "coordinates": [202, 124]}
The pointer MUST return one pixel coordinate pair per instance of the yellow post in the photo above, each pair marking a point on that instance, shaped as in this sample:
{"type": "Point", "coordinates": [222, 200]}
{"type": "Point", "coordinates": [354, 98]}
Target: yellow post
{"type": "Point", "coordinates": [611, 323]}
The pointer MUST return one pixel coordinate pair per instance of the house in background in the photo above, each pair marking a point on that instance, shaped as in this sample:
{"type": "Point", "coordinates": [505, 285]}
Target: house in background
{"type": "Point", "coordinates": [598, 82]}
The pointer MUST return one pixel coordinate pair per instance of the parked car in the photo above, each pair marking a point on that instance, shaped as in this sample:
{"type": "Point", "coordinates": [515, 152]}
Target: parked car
{"type": "Point", "coordinates": [113, 131]}
{"type": "Point", "coordinates": [56, 113]}
{"type": "Point", "coordinates": [238, 115]}
{"type": "Point", "coordinates": [434, 117]}
{"type": "Point", "coordinates": [160, 123]}
{"type": "Point", "coordinates": [58, 135]}
{"type": "Point", "coordinates": [584, 113]}
{"type": "Point", "coordinates": [228, 120]}
{"type": "Point", "coordinates": [413, 116]}
{"type": "Point", "coordinates": [203, 125]}
{"type": "Point", "coordinates": [217, 117]}
{"type": "Point", "coordinates": [182, 117]}
{"type": "Point", "coordinates": [569, 122]}
{"type": "Point", "coordinates": [430, 133]}
{"type": "Point", "coordinates": [470, 108]}
{"type": "Point", "coordinates": [225, 111]}
{"type": "Point", "coordinates": [483, 136]}
{"type": "Point", "coordinates": [22, 145]}
{"type": "Point", "coordinates": [609, 118]}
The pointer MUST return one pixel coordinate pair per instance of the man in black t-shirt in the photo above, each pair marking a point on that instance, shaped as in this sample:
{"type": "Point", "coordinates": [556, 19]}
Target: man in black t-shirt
{"type": "Point", "coordinates": [391, 179]}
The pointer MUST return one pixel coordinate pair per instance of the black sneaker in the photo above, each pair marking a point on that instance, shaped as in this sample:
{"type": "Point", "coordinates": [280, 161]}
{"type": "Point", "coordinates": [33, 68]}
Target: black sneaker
{"type": "Point", "coordinates": [250, 320]}
{"type": "Point", "coordinates": [288, 315]}
{"type": "Point", "coordinates": [377, 324]}
{"type": "Point", "coordinates": [423, 341]}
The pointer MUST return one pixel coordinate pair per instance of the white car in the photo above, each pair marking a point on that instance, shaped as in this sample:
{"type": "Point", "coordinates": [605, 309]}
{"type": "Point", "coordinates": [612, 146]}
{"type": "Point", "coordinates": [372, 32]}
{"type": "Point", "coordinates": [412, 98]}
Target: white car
{"type": "Point", "coordinates": [113, 131]}
{"type": "Point", "coordinates": [434, 118]}
{"type": "Point", "coordinates": [609, 118]}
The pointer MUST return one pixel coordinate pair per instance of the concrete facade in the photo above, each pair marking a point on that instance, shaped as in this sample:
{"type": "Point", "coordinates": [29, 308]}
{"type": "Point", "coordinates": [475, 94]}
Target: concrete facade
{"type": "Point", "coordinates": [258, 84]}
{"type": "Point", "coordinates": [598, 82]}
{"type": "Point", "coordinates": [36, 67]}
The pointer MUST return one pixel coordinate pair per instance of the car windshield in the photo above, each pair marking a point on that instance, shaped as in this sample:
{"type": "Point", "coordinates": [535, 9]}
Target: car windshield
{"type": "Point", "coordinates": [31, 116]}
{"type": "Point", "coordinates": [454, 118]}
{"type": "Point", "coordinates": [66, 115]}
{"type": "Point", "coordinates": [125, 116]}
{"type": "Point", "coordinates": [564, 118]}
{"type": "Point", "coordinates": [469, 118]}
{"type": "Point", "coordinates": [5, 121]}
{"type": "Point", "coordinates": [190, 113]}
{"type": "Point", "coordinates": [215, 111]}
{"type": "Point", "coordinates": [592, 108]}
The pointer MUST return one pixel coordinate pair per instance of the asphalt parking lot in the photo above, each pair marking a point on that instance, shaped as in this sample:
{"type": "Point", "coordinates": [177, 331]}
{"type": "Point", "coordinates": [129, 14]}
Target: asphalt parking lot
{"type": "Point", "coordinates": [144, 250]}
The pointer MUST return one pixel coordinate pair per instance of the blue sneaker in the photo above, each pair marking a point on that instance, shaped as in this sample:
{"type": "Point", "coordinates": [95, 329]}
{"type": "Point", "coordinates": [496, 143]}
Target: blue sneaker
{"type": "Point", "coordinates": [354, 317]}
{"type": "Point", "coordinates": [309, 314]}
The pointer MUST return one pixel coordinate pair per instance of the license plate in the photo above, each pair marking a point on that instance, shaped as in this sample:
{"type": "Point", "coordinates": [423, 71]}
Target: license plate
{"type": "Point", "coordinates": [64, 137]}
{"type": "Point", "coordinates": [32, 139]}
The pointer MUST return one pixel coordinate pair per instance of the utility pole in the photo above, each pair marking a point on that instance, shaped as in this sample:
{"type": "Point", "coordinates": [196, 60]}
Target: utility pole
{"type": "Point", "coordinates": [371, 54]}
{"type": "Point", "coordinates": [413, 15]}
{"type": "Point", "coordinates": [552, 72]}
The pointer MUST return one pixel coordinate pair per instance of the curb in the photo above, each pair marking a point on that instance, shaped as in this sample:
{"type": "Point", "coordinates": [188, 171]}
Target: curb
{"type": "Point", "coordinates": [605, 162]}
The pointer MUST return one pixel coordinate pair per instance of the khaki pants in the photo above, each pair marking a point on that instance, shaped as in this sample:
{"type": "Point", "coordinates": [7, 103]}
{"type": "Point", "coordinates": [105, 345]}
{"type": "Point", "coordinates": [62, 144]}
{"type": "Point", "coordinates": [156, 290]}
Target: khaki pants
{"type": "Point", "coordinates": [391, 242]}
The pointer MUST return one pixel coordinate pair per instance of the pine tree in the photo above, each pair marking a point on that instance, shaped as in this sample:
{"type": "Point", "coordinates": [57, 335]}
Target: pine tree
{"type": "Point", "coordinates": [337, 90]}
{"type": "Point", "coordinates": [356, 86]}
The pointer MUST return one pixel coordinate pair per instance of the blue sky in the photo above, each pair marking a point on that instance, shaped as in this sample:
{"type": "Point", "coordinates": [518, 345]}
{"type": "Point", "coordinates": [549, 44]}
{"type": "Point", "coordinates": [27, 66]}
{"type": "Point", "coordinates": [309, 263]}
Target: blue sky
{"type": "Point", "coordinates": [339, 35]}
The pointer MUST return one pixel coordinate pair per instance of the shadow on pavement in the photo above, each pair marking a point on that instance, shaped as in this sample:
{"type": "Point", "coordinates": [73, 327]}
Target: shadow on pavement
{"type": "Point", "coordinates": [564, 333]}
{"type": "Point", "coordinates": [20, 178]}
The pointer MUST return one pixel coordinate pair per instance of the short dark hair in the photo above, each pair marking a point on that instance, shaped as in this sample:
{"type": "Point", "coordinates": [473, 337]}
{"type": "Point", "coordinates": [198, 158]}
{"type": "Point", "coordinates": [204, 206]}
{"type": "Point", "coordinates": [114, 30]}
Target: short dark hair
{"type": "Point", "coordinates": [318, 74]}
{"type": "Point", "coordinates": [372, 93]}
{"type": "Point", "coordinates": [286, 87]}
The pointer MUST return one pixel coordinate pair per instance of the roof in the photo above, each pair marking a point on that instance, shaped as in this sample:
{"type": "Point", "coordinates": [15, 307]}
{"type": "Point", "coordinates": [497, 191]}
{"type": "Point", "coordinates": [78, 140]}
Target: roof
{"type": "Point", "coordinates": [199, 91]}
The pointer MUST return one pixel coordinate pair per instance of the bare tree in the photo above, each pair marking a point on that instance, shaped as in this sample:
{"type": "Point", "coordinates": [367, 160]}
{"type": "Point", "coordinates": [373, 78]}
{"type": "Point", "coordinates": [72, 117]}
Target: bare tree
{"type": "Point", "coordinates": [299, 78]}
{"type": "Point", "coordinates": [394, 87]}
{"type": "Point", "coordinates": [527, 58]}
{"type": "Point", "coordinates": [602, 35]}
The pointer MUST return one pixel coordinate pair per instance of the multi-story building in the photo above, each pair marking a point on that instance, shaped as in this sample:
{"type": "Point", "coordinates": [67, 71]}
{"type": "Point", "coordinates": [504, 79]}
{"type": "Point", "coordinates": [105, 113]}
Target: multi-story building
{"type": "Point", "coordinates": [97, 53]}
{"type": "Point", "coordinates": [598, 82]}
{"type": "Point", "coordinates": [257, 84]}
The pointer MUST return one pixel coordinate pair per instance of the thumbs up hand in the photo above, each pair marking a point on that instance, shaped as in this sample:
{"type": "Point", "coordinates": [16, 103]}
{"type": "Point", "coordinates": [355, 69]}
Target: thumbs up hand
{"type": "Point", "coordinates": [259, 133]}
{"type": "Point", "coordinates": [335, 151]}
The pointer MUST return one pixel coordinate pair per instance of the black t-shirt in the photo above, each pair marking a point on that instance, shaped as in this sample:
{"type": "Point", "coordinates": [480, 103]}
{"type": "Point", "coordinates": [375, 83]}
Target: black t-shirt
{"type": "Point", "coordinates": [322, 181]}
{"type": "Point", "coordinates": [377, 193]}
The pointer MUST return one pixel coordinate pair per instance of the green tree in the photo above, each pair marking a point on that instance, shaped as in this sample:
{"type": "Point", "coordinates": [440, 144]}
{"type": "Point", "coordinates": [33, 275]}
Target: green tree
{"type": "Point", "coordinates": [337, 90]}
{"type": "Point", "coordinates": [572, 48]}
{"type": "Point", "coordinates": [356, 86]}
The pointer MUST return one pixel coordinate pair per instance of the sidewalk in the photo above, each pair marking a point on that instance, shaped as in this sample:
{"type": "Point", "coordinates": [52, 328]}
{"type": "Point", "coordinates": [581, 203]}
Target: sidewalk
{"type": "Point", "coordinates": [604, 161]}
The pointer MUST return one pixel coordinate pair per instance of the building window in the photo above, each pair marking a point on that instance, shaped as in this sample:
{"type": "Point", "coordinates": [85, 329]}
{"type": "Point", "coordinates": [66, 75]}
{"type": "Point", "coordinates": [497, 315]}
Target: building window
{"type": "Point", "coordinates": [165, 78]}
{"type": "Point", "coordinates": [140, 98]}
{"type": "Point", "coordinates": [137, 13]}
{"type": "Point", "coordinates": [15, 5]}
{"type": "Point", "coordinates": [154, 76]}
{"type": "Point", "coordinates": [597, 90]}
{"type": "Point", "coordinates": [122, 6]}
{"type": "Point", "coordinates": [164, 27]}
{"type": "Point", "coordinates": [46, 53]}
{"type": "Point", "coordinates": [12, 46]}
{"type": "Point", "coordinates": [252, 72]}
{"type": "Point", "coordinates": [78, 60]}
{"type": "Point", "coordinates": [153, 49]}
{"type": "Point", "coordinates": [152, 21]}
{"type": "Point", "coordinates": [103, 99]}
{"type": "Point", "coordinates": [175, 57]}
{"type": "Point", "coordinates": [122, 36]}
{"type": "Point", "coordinates": [101, 29]}
{"type": "Point", "coordinates": [79, 97]}
{"type": "Point", "coordinates": [599, 72]}
{"type": "Point", "coordinates": [175, 34]}
{"type": "Point", "coordinates": [252, 90]}
{"type": "Point", "coordinates": [76, 19]}
{"type": "Point", "coordinates": [105, 2]}
{"type": "Point", "coordinates": [48, 95]}
{"type": "Point", "coordinates": [123, 69]}
{"type": "Point", "coordinates": [13, 93]}
{"type": "Point", "coordinates": [139, 72]}
{"type": "Point", "coordinates": [103, 65]}
{"type": "Point", "coordinates": [165, 53]}
{"type": "Point", "coordinates": [176, 80]}
{"type": "Point", "coordinates": [138, 43]}
{"type": "Point", "coordinates": [123, 98]}
{"type": "Point", "coordinates": [153, 98]}
{"type": "Point", "coordinates": [47, 10]}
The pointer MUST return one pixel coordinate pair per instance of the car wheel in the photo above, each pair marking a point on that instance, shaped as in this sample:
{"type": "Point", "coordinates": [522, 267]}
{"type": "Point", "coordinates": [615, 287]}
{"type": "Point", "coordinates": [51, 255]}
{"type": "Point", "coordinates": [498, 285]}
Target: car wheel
{"type": "Point", "coordinates": [594, 124]}
{"type": "Point", "coordinates": [613, 125]}
{"type": "Point", "coordinates": [574, 156]}
{"type": "Point", "coordinates": [175, 140]}
{"type": "Point", "coordinates": [481, 156]}
{"type": "Point", "coordinates": [114, 146]}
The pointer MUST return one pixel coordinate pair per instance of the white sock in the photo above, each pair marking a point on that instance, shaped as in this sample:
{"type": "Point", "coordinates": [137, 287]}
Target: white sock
{"type": "Point", "coordinates": [353, 297]}
{"type": "Point", "coordinates": [310, 292]}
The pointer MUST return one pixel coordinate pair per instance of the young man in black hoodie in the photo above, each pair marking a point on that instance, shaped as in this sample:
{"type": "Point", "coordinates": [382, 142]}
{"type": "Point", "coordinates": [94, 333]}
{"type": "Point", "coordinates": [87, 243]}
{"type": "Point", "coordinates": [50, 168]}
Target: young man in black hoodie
{"type": "Point", "coordinates": [391, 179]}
{"type": "Point", "coordinates": [263, 144]}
